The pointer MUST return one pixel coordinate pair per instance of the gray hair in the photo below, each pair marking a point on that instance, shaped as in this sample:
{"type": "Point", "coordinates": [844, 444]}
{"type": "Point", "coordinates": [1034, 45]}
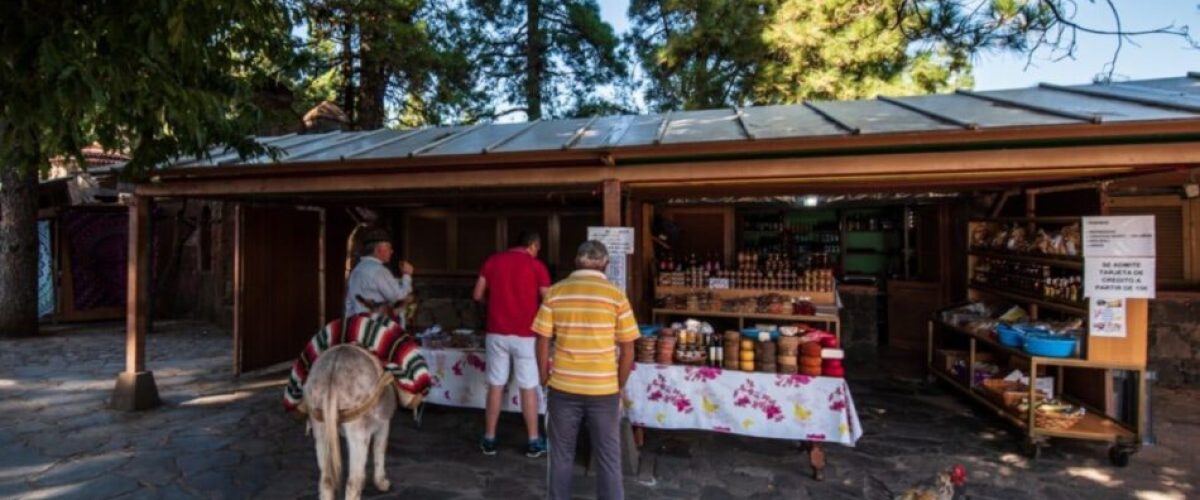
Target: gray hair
{"type": "Point", "coordinates": [592, 255]}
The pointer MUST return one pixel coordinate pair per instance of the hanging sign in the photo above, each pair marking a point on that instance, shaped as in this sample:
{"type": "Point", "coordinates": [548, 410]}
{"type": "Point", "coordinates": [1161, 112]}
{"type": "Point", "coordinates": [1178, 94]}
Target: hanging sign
{"type": "Point", "coordinates": [1106, 318]}
{"type": "Point", "coordinates": [1118, 236]}
{"type": "Point", "coordinates": [1119, 278]}
{"type": "Point", "coordinates": [619, 242]}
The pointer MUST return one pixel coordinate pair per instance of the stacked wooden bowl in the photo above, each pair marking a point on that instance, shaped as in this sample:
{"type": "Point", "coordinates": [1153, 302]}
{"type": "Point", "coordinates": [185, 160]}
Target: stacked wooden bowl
{"type": "Point", "coordinates": [732, 346]}
{"type": "Point", "coordinates": [788, 357]}
{"type": "Point", "coordinates": [765, 356]}
{"type": "Point", "coordinates": [666, 346]}
{"type": "Point", "coordinates": [645, 349]}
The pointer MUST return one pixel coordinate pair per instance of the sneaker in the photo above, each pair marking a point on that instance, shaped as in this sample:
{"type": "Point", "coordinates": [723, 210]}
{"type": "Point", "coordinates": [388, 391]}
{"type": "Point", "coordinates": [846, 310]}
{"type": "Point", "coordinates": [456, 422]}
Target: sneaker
{"type": "Point", "coordinates": [537, 448]}
{"type": "Point", "coordinates": [487, 446]}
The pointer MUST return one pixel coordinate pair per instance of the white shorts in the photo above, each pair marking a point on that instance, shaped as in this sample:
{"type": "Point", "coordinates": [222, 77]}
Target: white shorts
{"type": "Point", "coordinates": [507, 353]}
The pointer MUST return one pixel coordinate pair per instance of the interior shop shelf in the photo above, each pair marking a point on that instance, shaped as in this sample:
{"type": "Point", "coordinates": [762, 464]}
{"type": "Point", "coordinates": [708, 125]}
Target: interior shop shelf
{"type": "Point", "coordinates": [1063, 262]}
{"type": "Point", "coordinates": [1021, 297]}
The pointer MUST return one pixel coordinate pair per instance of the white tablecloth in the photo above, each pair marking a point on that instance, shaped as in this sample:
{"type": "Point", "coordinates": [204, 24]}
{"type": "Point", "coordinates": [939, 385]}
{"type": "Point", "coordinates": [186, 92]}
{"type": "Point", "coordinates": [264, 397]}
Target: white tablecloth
{"type": "Point", "coordinates": [795, 407]}
{"type": "Point", "coordinates": [460, 379]}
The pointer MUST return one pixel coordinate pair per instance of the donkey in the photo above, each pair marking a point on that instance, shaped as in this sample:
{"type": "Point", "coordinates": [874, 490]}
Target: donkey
{"type": "Point", "coordinates": [351, 393]}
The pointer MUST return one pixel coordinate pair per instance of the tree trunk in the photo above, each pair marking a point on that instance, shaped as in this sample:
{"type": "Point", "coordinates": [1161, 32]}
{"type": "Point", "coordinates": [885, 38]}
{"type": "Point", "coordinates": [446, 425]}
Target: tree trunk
{"type": "Point", "coordinates": [348, 69]}
{"type": "Point", "coordinates": [18, 252]}
{"type": "Point", "coordinates": [534, 59]}
{"type": "Point", "coordinates": [372, 85]}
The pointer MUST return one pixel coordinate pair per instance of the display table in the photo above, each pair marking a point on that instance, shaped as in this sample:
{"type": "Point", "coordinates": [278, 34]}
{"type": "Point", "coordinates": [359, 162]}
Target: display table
{"type": "Point", "coordinates": [814, 410]}
{"type": "Point", "coordinates": [460, 379]}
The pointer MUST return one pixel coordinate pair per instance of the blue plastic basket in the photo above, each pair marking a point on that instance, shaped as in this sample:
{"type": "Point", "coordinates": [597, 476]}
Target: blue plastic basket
{"type": "Point", "coordinates": [753, 333]}
{"type": "Point", "coordinates": [1010, 336]}
{"type": "Point", "coordinates": [1050, 346]}
{"type": "Point", "coordinates": [648, 330]}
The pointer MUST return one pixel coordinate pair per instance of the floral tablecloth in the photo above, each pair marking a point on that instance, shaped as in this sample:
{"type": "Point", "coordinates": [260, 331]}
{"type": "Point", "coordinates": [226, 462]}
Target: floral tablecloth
{"type": "Point", "coordinates": [460, 379]}
{"type": "Point", "coordinates": [766, 405]}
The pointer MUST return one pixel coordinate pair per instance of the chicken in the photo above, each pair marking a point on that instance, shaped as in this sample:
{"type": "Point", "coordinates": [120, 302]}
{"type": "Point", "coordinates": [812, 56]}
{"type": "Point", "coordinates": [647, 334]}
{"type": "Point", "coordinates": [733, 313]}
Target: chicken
{"type": "Point", "coordinates": [941, 489]}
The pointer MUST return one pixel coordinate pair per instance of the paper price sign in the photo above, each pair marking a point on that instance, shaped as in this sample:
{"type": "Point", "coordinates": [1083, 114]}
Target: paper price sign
{"type": "Point", "coordinates": [1117, 278]}
{"type": "Point", "coordinates": [618, 240]}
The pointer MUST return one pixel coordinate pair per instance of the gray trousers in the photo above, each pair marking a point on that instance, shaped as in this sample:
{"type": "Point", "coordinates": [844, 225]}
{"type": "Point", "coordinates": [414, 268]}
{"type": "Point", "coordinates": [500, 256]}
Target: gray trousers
{"type": "Point", "coordinates": [567, 411]}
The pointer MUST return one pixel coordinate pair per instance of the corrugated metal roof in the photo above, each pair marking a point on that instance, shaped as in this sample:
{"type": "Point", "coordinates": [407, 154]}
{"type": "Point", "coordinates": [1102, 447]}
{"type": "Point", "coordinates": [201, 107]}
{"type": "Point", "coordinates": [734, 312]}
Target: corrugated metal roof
{"type": "Point", "coordinates": [1043, 106]}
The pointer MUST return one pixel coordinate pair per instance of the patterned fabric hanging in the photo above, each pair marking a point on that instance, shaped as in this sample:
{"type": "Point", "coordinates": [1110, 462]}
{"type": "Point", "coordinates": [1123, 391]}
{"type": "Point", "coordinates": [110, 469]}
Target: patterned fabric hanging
{"type": "Point", "coordinates": [376, 333]}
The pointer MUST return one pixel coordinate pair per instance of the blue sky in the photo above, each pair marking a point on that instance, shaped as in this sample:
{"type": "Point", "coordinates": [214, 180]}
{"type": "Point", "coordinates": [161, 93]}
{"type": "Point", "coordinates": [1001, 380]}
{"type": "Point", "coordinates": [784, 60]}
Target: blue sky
{"type": "Point", "coordinates": [1156, 56]}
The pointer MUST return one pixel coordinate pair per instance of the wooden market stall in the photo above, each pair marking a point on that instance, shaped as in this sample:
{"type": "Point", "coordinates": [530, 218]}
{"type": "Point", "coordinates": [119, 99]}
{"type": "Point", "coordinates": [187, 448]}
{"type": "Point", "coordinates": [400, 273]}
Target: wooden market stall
{"type": "Point", "coordinates": [455, 192]}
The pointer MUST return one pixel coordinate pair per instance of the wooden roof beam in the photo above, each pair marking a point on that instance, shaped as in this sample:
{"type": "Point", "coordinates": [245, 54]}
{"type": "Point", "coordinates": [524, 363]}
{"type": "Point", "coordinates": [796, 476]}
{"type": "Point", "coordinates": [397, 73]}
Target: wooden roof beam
{"type": "Point", "coordinates": [1033, 107]}
{"type": "Point", "coordinates": [1104, 94]}
{"type": "Point", "coordinates": [575, 137]}
{"type": "Point", "coordinates": [930, 113]}
{"type": "Point", "coordinates": [833, 119]}
{"type": "Point", "coordinates": [506, 140]}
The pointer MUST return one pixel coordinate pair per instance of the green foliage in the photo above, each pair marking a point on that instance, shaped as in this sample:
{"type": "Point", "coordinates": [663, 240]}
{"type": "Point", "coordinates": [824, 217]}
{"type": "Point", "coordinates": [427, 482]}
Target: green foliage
{"type": "Point", "coordinates": [699, 54]}
{"type": "Point", "coordinates": [548, 54]}
{"type": "Point", "coordinates": [848, 49]}
{"type": "Point", "coordinates": [711, 53]}
{"type": "Point", "coordinates": [158, 78]}
{"type": "Point", "coordinates": [407, 61]}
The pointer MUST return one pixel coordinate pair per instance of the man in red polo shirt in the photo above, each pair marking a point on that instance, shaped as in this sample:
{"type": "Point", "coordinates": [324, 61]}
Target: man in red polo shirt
{"type": "Point", "coordinates": [512, 283]}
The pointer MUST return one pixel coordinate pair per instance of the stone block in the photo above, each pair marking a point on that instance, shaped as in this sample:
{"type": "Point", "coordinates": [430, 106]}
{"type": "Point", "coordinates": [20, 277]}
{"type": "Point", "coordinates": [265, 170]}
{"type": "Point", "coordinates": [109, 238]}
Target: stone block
{"type": "Point", "coordinates": [135, 392]}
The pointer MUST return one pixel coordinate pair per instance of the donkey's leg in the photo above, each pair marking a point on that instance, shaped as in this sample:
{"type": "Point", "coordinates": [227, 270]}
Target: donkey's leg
{"type": "Point", "coordinates": [326, 486]}
{"type": "Point", "coordinates": [358, 438]}
{"type": "Point", "coordinates": [380, 438]}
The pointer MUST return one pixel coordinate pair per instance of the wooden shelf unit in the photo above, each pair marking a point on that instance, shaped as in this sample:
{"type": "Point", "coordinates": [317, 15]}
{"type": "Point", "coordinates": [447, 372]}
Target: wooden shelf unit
{"type": "Point", "coordinates": [832, 322]}
{"type": "Point", "coordinates": [1097, 353]}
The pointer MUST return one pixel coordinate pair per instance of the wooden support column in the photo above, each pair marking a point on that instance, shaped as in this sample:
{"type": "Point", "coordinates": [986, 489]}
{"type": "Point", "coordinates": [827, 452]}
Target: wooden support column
{"type": "Point", "coordinates": [612, 202]}
{"type": "Point", "coordinates": [135, 388]}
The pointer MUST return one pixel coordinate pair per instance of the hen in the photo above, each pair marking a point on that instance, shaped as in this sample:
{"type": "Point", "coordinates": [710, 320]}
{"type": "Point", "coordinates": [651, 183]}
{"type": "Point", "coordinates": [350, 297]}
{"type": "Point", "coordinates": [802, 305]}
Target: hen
{"type": "Point", "coordinates": [942, 488]}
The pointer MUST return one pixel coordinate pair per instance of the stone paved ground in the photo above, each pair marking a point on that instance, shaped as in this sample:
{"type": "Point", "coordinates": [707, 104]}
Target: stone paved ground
{"type": "Point", "coordinates": [220, 438]}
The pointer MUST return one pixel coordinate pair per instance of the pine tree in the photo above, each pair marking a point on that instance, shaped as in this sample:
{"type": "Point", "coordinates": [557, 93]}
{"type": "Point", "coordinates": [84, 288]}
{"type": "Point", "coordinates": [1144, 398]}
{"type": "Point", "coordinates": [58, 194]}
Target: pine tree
{"type": "Point", "coordinates": [395, 62]}
{"type": "Point", "coordinates": [158, 79]}
{"type": "Point", "coordinates": [549, 58]}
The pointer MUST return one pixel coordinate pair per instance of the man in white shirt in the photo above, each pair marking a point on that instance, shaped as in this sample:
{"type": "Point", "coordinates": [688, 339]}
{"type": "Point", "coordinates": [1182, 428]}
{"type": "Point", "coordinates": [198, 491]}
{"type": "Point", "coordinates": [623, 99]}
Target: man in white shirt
{"type": "Point", "coordinates": [371, 280]}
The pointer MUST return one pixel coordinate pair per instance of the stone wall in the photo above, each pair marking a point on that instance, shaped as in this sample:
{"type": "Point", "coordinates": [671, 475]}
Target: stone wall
{"type": "Point", "coordinates": [1175, 341]}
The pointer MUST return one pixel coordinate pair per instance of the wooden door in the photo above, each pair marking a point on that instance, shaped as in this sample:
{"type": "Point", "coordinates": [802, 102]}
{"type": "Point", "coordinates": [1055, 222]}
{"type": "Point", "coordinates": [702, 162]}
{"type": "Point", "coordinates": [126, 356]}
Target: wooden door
{"type": "Point", "coordinates": [278, 290]}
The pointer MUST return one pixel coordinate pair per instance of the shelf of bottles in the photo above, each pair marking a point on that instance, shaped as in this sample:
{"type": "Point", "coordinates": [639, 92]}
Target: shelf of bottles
{"type": "Point", "coordinates": [1038, 281]}
{"type": "Point", "coordinates": [753, 271]}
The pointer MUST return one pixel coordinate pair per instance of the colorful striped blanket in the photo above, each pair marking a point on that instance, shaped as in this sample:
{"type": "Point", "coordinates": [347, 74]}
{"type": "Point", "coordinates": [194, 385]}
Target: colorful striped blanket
{"type": "Point", "coordinates": [376, 333]}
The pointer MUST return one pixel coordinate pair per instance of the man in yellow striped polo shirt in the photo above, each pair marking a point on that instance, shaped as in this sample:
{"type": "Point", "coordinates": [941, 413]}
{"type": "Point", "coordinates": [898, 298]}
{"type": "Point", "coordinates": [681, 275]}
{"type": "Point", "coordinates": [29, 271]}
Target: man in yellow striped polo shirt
{"type": "Point", "coordinates": [590, 321]}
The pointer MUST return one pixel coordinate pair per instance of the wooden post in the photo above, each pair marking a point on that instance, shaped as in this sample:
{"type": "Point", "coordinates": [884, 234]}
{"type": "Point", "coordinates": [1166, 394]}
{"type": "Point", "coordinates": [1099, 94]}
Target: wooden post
{"type": "Point", "coordinates": [238, 297]}
{"type": "Point", "coordinates": [612, 202]}
{"type": "Point", "coordinates": [135, 389]}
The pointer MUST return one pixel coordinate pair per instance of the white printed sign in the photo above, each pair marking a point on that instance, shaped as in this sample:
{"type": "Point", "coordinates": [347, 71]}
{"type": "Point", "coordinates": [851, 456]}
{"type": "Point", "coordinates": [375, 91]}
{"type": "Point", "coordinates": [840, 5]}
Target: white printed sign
{"type": "Point", "coordinates": [1106, 318]}
{"type": "Point", "coordinates": [618, 240]}
{"type": "Point", "coordinates": [718, 283]}
{"type": "Point", "coordinates": [1118, 236]}
{"type": "Point", "coordinates": [1119, 278]}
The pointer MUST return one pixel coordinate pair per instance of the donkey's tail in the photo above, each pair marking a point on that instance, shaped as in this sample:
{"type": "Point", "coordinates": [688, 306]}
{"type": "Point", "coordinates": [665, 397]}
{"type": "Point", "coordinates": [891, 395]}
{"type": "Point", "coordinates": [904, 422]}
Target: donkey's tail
{"type": "Point", "coordinates": [329, 410]}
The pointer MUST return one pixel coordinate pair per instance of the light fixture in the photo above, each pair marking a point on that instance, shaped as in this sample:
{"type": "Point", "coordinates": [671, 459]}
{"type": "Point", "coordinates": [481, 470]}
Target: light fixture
{"type": "Point", "coordinates": [810, 201]}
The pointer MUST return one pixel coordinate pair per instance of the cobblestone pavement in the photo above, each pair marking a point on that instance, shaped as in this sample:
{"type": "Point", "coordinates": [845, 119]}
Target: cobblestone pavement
{"type": "Point", "coordinates": [223, 438]}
